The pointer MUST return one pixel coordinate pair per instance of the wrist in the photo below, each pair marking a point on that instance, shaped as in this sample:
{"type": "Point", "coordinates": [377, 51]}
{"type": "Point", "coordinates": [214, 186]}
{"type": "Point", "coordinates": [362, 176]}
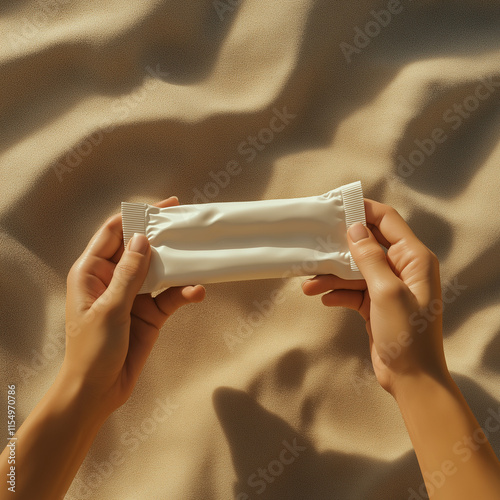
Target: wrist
{"type": "Point", "coordinates": [416, 388]}
{"type": "Point", "coordinates": [70, 396]}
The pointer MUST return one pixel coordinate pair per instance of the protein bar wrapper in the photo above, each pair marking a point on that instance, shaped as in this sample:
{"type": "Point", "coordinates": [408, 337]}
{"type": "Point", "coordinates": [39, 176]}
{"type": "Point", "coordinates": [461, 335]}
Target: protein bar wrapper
{"type": "Point", "coordinates": [232, 241]}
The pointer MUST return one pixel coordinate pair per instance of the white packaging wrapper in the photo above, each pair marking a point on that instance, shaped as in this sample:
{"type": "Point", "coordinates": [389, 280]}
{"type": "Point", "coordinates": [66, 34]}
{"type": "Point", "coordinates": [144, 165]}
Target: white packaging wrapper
{"type": "Point", "coordinates": [232, 241]}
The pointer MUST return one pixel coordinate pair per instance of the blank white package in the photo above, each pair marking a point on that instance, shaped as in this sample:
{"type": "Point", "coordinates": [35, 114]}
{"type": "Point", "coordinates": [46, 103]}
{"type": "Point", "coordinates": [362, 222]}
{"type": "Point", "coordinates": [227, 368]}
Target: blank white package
{"type": "Point", "coordinates": [232, 241]}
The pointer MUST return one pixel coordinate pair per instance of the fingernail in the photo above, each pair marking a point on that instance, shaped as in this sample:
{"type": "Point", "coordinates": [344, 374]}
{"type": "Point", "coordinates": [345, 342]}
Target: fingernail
{"type": "Point", "coordinates": [358, 232]}
{"type": "Point", "coordinates": [139, 243]}
{"type": "Point", "coordinates": [174, 198]}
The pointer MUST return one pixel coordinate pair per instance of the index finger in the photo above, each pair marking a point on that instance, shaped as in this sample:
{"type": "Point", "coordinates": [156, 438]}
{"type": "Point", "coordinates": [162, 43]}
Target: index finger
{"type": "Point", "coordinates": [387, 223]}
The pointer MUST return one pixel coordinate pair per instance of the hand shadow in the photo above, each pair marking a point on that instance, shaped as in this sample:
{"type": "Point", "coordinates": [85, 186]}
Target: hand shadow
{"type": "Point", "coordinates": [272, 460]}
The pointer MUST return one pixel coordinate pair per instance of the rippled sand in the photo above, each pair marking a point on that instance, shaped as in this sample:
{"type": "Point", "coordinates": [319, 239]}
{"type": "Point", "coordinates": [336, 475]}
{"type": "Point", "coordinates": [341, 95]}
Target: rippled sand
{"type": "Point", "coordinates": [230, 101]}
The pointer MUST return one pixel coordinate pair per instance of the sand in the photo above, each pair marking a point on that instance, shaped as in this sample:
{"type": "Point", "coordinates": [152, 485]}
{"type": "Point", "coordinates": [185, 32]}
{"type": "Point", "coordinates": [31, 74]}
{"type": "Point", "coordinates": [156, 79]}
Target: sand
{"type": "Point", "coordinates": [234, 101]}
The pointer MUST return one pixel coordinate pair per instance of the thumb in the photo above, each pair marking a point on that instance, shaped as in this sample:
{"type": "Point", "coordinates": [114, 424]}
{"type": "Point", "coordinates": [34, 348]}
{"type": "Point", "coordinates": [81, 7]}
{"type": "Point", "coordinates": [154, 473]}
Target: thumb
{"type": "Point", "coordinates": [129, 273]}
{"type": "Point", "coordinates": [369, 256]}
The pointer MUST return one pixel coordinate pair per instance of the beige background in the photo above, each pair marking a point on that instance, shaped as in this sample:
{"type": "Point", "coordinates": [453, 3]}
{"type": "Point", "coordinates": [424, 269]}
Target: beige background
{"type": "Point", "coordinates": [136, 101]}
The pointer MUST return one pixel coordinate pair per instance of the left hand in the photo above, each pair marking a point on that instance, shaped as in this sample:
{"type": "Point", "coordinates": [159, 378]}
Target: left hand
{"type": "Point", "coordinates": [110, 330]}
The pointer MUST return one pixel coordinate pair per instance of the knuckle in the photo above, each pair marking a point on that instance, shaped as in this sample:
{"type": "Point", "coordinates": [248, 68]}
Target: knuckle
{"type": "Point", "coordinates": [427, 257]}
{"type": "Point", "coordinates": [371, 253]}
{"type": "Point", "coordinates": [125, 272]}
{"type": "Point", "coordinates": [391, 211]}
{"type": "Point", "coordinates": [109, 221]}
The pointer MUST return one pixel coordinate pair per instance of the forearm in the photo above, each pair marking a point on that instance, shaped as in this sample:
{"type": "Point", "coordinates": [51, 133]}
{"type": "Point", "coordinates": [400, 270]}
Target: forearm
{"type": "Point", "coordinates": [52, 443]}
{"type": "Point", "coordinates": [456, 460]}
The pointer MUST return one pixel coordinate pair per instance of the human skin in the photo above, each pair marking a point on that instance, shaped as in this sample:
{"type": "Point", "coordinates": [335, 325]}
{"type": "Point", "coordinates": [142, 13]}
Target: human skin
{"type": "Point", "coordinates": [456, 460]}
{"type": "Point", "coordinates": [111, 331]}
{"type": "Point", "coordinates": [109, 334]}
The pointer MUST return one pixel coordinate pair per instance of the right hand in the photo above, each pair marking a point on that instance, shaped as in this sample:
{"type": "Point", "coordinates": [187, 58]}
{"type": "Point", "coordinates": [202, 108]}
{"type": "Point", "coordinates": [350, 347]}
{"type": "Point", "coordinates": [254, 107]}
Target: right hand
{"type": "Point", "coordinates": [400, 297]}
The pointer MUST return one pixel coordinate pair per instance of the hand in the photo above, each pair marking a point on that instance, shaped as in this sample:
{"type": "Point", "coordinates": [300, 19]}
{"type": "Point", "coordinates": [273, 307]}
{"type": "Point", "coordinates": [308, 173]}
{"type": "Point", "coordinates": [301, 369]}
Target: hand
{"type": "Point", "coordinates": [399, 287]}
{"type": "Point", "coordinates": [110, 330]}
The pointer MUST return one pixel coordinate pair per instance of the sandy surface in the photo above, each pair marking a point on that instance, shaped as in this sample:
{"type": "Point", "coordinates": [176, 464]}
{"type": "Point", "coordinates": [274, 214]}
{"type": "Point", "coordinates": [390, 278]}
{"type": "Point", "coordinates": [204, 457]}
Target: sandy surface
{"type": "Point", "coordinates": [136, 101]}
